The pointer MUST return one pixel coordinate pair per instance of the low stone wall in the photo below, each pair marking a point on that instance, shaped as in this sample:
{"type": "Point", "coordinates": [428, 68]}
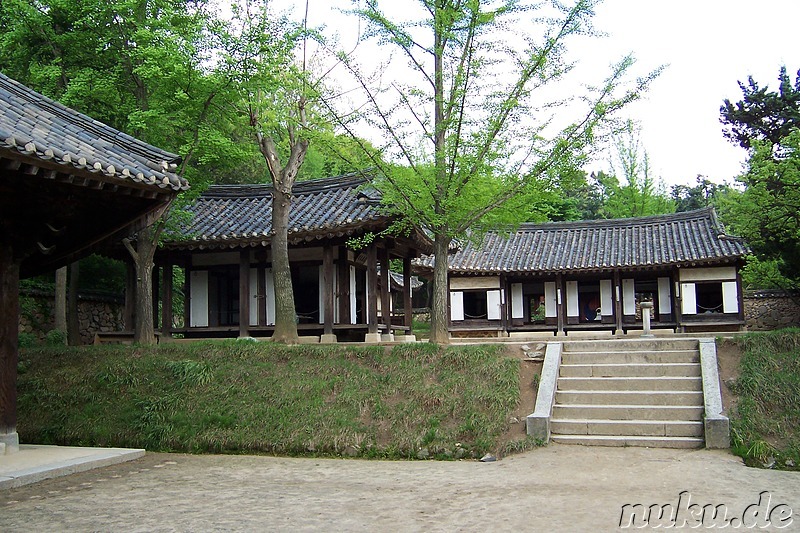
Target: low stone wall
{"type": "Point", "coordinates": [96, 312]}
{"type": "Point", "coordinates": [771, 309]}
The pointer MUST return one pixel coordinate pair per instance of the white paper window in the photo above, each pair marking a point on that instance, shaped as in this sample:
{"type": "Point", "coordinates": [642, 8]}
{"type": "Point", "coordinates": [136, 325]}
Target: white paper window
{"type": "Point", "coordinates": [628, 297]}
{"type": "Point", "coordinates": [572, 298]}
{"type": "Point", "coordinates": [270, 297]}
{"type": "Point", "coordinates": [550, 307]}
{"type": "Point", "coordinates": [606, 297]}
{"type": "Point", "coordinates": [493, 303]}
{"type": "Point", "coordinates": [688, 299]}
{"type": "Point", "coordinates": [517, 306]}
{"type": "Point", "coordinates": [456, 305]}
{"type": "Point", "coordinates": [730, 297]}
{"type": "Point", "coordinates": [199, 299]}
{"type": "Point", "coordinates": [664, 297]}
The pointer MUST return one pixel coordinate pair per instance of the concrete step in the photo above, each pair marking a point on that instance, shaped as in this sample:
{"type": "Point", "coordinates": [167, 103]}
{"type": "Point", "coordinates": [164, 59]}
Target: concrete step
{"type": "Point", "coordinates": [630, 370]}
{"type": "Point", "coordinates": [694, 383]}
{"type": "Point", "coordinates": [642, 345]}
{"type": "Point", "coordinates": [629, 440]}
{"type": "Point", "coordinates": [627, 397]}
{"type": "Point", "coordinates": [628, 412]}
{"type": "Point", "coordinates": [639, 428]}
{"type": "Point", "coordinates": [621, 357]}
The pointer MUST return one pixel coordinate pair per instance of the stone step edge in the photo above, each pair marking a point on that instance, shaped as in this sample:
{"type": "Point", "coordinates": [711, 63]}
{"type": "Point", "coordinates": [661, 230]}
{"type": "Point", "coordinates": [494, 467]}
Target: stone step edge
{"type": "Point", "coordinates": [631, 421]}
{"type": "Point", "coordinates": [625, 406]}
{"type": "Point", "coordinates": [615, 352]}
{"type": "Point", "coordinates": [622, 438]}
{"type": "Point", "coordinates": [629, 391]}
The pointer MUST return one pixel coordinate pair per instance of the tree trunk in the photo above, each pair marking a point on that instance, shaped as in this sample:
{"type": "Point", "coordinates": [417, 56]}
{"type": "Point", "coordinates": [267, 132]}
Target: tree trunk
{"type": "Point", "coordinates": [146, 244]}
{"type": "Point", "coordinates": [439, 315]}
{"type": "Point", "coordinates": [60, 312]}
{"type": "Point", "coordinates": [143, 332]}
{"type": "Point", "coordinates": [73, 320]}
{"type": "Point", "coordinates": [285, 315]}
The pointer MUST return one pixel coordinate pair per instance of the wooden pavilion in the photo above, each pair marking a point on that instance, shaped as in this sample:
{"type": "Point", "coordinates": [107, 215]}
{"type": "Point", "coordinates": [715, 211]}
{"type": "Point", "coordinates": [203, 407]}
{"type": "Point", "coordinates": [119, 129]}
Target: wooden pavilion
{"type": "Point", "coordinates": [68, 184]}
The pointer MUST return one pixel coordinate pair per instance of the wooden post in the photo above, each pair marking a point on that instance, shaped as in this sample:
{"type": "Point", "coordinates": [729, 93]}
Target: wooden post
{"type": "Point", "coordinates": [344, 286]}
{"type": "Point", "coordinates": [9, 338]}
{"type": "Point", "coordinates": [327, 296]}
{"type": "Point", "coordinates": [166, 301]}
{"type": "Point", "coordinates": [262, 293]}
{"type": "Point", "coordinates": [408, 306]}
{"type": "Point", "coordinates": [372, 290]}
{"type": "Point", "coordinates": [560, 307]}
{"type": "Point", "coordinates": [618, 301]}
{"type": "Point", "coordinates": [244, 293]}
{"type": "Point", "coordinates": [156, 293]}
{"type": "Point", "coordinates": [386, 306]}
{"type": "Point", "coordinates": [187, 294]}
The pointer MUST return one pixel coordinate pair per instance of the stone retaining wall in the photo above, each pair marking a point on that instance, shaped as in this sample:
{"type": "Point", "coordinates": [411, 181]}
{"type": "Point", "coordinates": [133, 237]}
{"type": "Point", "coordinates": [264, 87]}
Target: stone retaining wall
{"type": "Point", "coordinates": [771, 309]}
{"type": "Point", "coordinates": [95, 313]}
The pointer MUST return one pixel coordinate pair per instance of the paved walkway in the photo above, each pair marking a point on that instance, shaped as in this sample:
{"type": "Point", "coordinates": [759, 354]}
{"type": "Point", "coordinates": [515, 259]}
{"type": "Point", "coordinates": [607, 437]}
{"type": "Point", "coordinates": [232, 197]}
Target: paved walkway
{"type": "Point", "coordinates": [557, 488]}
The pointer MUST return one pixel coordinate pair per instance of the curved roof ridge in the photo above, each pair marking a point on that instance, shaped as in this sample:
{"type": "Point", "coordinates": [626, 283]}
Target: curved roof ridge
{"type": "Point", "coordinates": [705, 212]}
{"type": "Point", "coordinates": [250, 190]}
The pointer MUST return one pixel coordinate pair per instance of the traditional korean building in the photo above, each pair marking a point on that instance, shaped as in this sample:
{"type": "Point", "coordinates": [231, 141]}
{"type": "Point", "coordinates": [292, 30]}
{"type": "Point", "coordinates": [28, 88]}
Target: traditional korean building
{"type": "Point", "coordinates": [339, 240]}
{"type": "Point", "coordinates": [68, 184]}
{"type": "Point", "coordinates": [593, 275]}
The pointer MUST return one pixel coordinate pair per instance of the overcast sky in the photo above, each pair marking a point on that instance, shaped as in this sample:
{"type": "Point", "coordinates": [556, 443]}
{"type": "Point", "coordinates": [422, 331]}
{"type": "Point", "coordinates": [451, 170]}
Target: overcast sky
{"type": "Point", "coordinates": [707, 45]}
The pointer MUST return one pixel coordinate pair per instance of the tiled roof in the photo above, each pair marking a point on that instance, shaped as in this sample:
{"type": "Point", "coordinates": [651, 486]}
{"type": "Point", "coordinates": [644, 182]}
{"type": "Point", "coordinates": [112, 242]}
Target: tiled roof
{"type": "Point", "coordinates": [242, 214]}
{"type": "Point", "coordinates": [38, 127]}
{"type": "Point", "coordinates": [679, 239]}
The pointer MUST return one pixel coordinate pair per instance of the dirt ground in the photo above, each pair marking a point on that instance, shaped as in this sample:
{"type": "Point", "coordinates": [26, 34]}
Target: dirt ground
{"type": "Point", "coordinates": [557, 488]}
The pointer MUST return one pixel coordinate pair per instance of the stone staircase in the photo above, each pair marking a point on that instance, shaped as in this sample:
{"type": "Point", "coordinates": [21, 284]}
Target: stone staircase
{"type": "Point", "coordinates": [631, 392]}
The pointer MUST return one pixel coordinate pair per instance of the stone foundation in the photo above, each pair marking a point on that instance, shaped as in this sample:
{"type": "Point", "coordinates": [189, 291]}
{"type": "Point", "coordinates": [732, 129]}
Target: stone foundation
{"type": "Point", "coordinates": [96, 313]}
{"type": "Point", "coordinates": [771, 309]}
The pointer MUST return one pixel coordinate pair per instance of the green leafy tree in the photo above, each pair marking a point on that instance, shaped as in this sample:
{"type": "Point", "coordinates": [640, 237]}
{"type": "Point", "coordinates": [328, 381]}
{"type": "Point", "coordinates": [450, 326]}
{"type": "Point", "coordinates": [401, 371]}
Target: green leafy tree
{"type": "Point", "coordinates": [141, 66]}
{"type": "Point", "coordinates": [472, 123]}
{"type": "Point", "coordinates": [761, 114]}
{"type": "Point", "coordinates": [767, 212]}
{"type": "Point", "coordinates": [632, 191]}
{"type": "Point", "coordinates": [703, 194]}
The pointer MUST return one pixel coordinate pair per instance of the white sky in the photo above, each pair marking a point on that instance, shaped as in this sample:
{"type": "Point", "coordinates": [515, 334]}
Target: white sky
{"type": "Point", "coordinates": [708, 46]}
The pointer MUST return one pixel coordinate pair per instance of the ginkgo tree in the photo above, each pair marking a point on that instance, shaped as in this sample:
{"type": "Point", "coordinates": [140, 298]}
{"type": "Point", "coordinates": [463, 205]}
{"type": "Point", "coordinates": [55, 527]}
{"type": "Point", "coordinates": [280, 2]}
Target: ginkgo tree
{"type": "Point", "coordinates": [478, 114]}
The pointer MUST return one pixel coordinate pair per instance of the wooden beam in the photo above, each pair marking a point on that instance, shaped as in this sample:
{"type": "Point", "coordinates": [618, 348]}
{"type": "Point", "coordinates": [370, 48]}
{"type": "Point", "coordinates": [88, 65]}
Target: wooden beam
{"type": "Point", "coordinates": [386, 309]}
{"type": "Point", "coordinates": [408, 309]}
{"type": "Point", "coordinates": [9, 355]}
{"type": "Point", "coordinates": [327, 286]}
{"type": "Point", "coordinates": [344, 286]}
{"type": "Point", "coordinates": [372, 289]}
{"type": "Point", "coordinates": [244, 293]}
{"type": "Point", "coordinates": [166, 301]}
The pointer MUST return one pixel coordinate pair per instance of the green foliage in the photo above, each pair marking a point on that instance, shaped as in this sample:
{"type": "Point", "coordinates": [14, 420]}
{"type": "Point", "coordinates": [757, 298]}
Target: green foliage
{"type": "Point", "coordinates": [27, 340]}
{"type": "Point", "coordinates": [766, 213]}
{"type": "Point", "coordinates": [55, 337]}
{"type": "Point", "coordinates": [762, 115]}
{"type": "Point", "coordinates": [705, 194]}
{"type": "Point", "coordinates": [246, 397]}
{"type": "Point", "coordinates": [766, 420]}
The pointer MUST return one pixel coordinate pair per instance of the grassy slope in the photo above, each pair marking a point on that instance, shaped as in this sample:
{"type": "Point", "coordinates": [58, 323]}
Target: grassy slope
{"type": "Point", "coordinates": [765, 425]}
{"type": "Point", "coordinates": [244, 397]}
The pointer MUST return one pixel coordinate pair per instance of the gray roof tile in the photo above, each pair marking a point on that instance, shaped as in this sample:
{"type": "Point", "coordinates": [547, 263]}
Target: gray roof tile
{"type": "Point", "coordinates": [236, 214]}
{"type": "Point", "coordinates": [39, 127]}
{"type": "Point", "coordinates": [693, 237]}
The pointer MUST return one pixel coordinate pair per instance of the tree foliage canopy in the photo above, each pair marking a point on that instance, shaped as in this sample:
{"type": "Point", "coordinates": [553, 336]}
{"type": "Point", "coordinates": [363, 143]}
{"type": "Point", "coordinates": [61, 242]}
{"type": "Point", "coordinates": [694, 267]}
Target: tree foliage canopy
{"type": "Point", "coordinates": [761, 114]}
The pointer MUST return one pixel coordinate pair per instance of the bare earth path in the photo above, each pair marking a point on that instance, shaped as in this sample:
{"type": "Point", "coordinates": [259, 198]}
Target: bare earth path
{"type": "Point", "coordinates": [557, 488]}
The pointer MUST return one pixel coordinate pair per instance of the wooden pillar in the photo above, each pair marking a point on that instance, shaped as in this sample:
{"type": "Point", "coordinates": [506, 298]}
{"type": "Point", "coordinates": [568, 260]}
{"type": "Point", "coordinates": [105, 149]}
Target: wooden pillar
{"type": "Point", "coordinates": [560, 299]}
{"type": "Point", "coordinates": [244, 293]}
{"type": "Point", "coordinates": [372, 289]}
{"type": "Point", "coordinates": [386, 306]}
{"type": "Point", "coordinates": [677, 300]}
{"type": "Point", "coordinates": [618, 301]}
{"type": "Point", "coordinates": [156, 294]}
{"type": "Point", "coordinates": [262, 293]}
{"type": "Point", "coordinates": [187, 294]}
{"type": "Point", "coordinates": [166, 301]}
{"type": "Point", "coordinates": [408, 306]}
{"type": "Point", "coordinates": [344, 286]}
{"type": "Point", "coordinates": [73, 320]}
{"type": "Point", "coordinates": [9, 339]}
{"type": "Point", "coordinates": [327, 287]}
